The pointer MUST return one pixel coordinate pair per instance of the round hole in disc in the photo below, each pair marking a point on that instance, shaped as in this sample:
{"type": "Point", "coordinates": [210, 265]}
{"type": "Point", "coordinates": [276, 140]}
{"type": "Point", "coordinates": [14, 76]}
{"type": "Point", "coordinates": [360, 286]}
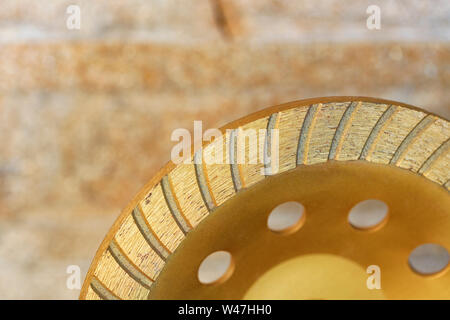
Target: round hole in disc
{"type": "Point", "coordinates": [286, 217]}
{"type": "Point", "coordinates": [216, 268]}
{"type": "Point", "coordinates": [428, 259]}
{"type": "Point", "coordinates": [368, 214]}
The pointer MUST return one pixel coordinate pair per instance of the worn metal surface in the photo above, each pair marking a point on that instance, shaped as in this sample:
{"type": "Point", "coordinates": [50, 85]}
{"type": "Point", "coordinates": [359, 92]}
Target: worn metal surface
{"type": "Point", "coordinates": [379, 130]}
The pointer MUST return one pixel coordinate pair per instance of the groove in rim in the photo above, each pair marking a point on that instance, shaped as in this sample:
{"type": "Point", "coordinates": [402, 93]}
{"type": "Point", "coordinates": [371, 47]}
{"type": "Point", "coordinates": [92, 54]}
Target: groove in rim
{"type": "Point", "coordinates": [341, 130]}
{"type": "Point", "coordinates": [101, 290]}
{"type": "Point", "coordinates": [271, 124]}
{"type": "Point", "coordinates": [412, 135]}
{"type": "Point", "coordinates": [201, 180]}
{"type": "Point", "coordinates": [234, 166]}
{"type": "Point", "coordinates": [181, 221]}
{"type": "Point", "coordinates": [305, 133]}
{"type": "Point", "coordinates": [371, 140]}
{"type": "Point", "coordinates": [434, 156]}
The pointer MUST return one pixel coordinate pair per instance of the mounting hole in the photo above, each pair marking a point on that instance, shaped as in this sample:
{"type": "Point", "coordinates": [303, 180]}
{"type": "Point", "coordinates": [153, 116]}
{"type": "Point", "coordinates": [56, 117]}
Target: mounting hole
{"type": "Point", "coordinates": [368, 214]}
{"type": "Point", "coordinates": [216, 268]}
{"type": "Point", "coordinates": [286, 218]}
{"type": "Point", "coordinates": [428, 259]}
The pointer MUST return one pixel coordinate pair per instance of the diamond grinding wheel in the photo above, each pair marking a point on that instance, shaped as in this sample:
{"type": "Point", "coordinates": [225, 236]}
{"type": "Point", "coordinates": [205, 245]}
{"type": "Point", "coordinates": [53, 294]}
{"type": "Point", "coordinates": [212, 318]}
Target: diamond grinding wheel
{"type": "Point", "coordinates": [335, 154]}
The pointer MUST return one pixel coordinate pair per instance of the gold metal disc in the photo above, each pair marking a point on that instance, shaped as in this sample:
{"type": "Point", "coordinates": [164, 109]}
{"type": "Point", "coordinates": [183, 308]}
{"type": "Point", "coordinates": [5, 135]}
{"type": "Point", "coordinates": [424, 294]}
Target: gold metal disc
{"type": "Point", "coordinates": [333, 153]}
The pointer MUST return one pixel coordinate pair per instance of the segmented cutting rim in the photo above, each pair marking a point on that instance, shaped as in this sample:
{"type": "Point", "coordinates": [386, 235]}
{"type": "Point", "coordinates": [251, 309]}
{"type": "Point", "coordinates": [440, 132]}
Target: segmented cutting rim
{"type": "Point", "coordinates": [312, 131]}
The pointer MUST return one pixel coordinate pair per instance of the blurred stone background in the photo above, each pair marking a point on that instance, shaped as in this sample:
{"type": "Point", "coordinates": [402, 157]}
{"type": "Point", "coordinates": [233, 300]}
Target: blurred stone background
{"type": "Point", "coordinates": [86, 115]}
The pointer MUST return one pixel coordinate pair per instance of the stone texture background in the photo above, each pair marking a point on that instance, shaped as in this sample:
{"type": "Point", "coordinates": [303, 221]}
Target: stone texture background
{"type": "Point", "coordinates": [86, 115]}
